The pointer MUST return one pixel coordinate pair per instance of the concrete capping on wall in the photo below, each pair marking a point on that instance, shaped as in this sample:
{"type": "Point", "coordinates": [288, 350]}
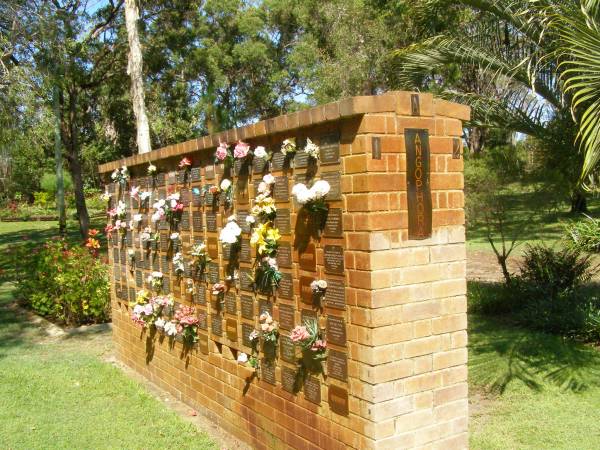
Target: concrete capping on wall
{"type": "Point", "coordinates": [394, 101]}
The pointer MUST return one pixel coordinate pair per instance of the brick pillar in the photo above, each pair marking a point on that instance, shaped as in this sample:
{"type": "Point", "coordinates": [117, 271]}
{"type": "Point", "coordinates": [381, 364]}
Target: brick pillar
{"type": "Point", "coordinates": [408, 323]}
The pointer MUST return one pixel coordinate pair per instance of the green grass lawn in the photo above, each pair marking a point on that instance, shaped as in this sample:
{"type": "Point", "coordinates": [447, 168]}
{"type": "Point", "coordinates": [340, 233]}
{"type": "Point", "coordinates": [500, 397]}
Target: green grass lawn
{"type": "Point", "coordinates": [61, 393]}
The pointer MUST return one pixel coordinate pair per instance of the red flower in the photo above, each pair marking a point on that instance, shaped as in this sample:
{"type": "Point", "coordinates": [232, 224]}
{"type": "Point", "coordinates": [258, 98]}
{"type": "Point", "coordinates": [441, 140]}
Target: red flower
{"type": "Point", "coordinates": [185, 163]}
{"type": "Point", "coordinates": [92, 232]}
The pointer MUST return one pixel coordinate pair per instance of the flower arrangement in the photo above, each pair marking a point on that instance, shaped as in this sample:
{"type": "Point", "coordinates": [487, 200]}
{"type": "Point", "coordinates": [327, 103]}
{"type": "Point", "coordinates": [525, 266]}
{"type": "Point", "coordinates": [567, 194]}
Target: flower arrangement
{"type": "Point", "coordinates": [108, 229]}
{"type": "Point", "coordinates": [187, 324]}
{"type": "Point", "coordinates": [146, 237]}
{"type": "Point", "coordinates": [178, 264]}
{"type": "Point", "coordinates": [148, 311]}
{"type": "Point", "coordinates": [169, 208]}
{"type": "Point", "coordinates": [151, 170]}
{"type": "Point", "coordinates": [218, 291]}
{"type": "Point", "coordinates": [312, 199]}
{"type": "Point", "coordinates": [242, 150]}
{"type": "Point", "coordinates": [312, 149]}
{"type": "Point", "coordinates": [121, 175]}
{"type": "Point", "coordinates": [200, 254]}
{"type": "Point", "coordinates": [264, 208]}
{"type": "Point", "coordinates": [314, 350]}
{"type": "Point", "coordinates": [265, 239]}
{"type": "Point", "coordinates": [231, 232]}
{"type": "Point", "coordinates": [92, 243]}
{"type": "Point", "coordinates": [135, 192]}
{"type": "Point", "coordinates": [223, 155]}
{"type": "Point", "coordinates": [137, 219]}
{"type": "Point", "coordinates": [227, 192]}
{"type": "Point", "coordinates": [105, 196]}
{"type": "Point", "coordinates": [119, 212]}
{"type": "Point", "coordinates": [144, 197]}
{"type": "Point", "coordinates": [319, 288]}
{"type": "Point", "coordinates": [260, 152]}
{"type": "Point", "coordinates": [266, 275]}
{"type": "Point", "coordinates": [155, 280]}
{"type": "Point", "coordinates": [185, 164]}
{"type": "Point", "coordinates": [288, 147]}
{"type": "Point", "coordinates": [131, 257]}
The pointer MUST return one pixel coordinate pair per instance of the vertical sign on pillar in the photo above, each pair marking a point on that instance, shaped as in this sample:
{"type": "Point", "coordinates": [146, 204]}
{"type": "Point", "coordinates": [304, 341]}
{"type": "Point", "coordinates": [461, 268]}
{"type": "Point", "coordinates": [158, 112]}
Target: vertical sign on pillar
{"type": "Point", "coordinates": [418, 183]}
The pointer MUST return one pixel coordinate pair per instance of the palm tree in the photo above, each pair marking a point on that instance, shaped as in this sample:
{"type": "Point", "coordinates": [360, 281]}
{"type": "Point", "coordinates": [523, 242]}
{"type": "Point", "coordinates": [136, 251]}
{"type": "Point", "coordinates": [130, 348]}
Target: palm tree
{"type": "Point", "coordinates": [514, 52]}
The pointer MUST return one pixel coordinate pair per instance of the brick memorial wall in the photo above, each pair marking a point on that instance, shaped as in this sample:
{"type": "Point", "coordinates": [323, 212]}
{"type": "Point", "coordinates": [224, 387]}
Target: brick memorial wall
{"type": "Point", "coordinates": [390, 248]}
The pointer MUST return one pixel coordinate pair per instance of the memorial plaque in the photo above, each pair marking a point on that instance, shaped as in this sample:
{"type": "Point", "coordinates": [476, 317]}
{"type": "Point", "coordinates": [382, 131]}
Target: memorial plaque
{"type": "Point", "coordinates": [281, 189]}
{"type": "Point", "coordinates": [312, 390]}
{"type": "Point", "coordinates": [246, 279]}
{"type": "Point", "coordinates": [286, 316]}
{"type": "Point", "coordinates": [212, 247]}
{"type": "Point", "coordinates": [333, 256]}
{"type": "Point", "coordinates": [247, 329]}
{"type": "Point", "coordinates": [162, 194]}
{"type": "Point", "coordinates": [265, 305]}
{"type": "Point", "coordinates": [283, 221]}
{"type": "Point", "coordinates": [185, 197]}
{"type": "Point", "coordinates": [202, 320]}
{"type": "Point", "coordinates": [245, 251]}
{"type": "Point", "coordinates": [166, 285]}
{"type": "Point", "coordinates": [185, 221]}
{"type": "Point", "coordinates": [209, 171]}
{"type": "Point", "coordinates": [308, 258]}
{"type": "Point", "coordinates": [163, 224]}
{"type": "Point", "coordinates": [333, 224]}
{"type": "Point", "coordinates": [155, 263]}
{"type": "Point", "coordinates": [307, 315]}
{"type": "Point", "coordinates": [376, 148]}
{"type": "Point", "coordinates": [288, 379]}
{"type": "Point", "coordinates": [335, 295]}
{"type": "Point", "coordinates": [197, 221]}
{"type": "Point", "coordinates": [132, 294]}
{"type": "Point", "coordinates": [139, 279]}
{"type": "Point", "coordinates": [284, 255]}
{"type": "Point", "coordinates": [199, 296]}
{"type": "Point", "coordinates": [330, 148]}
{"type": "Point", "coordinates": [213, 273]}
{"type": "Point", "coordinates": [278, 161]}
{"type": "Point", "coordinates": [337, 365]}
{"type": "Point", "coordinates": [287, 349]}
{"type": "Point", "coordinates": [259, 165]}
{"type": "Point", "coordinates": [267, 371]}
{"type": "Point", "coordinates": [164, 264]}
{"type": "Point", "coordinates": [135, 203]}
{"type": "Point", "coordinates": [112, 188]}
{"type": "Point", "coordinates": [210, 199]}
{"type": "Point", "coordinates": [247, 305]}
{"type": "Point", "coordinates": [182, 176]}
{"type": "Point", "coordinates": [229, 251]}
{"type": "Point", "coordinates": [335, 182]}
{"type": "Point", "coordinates": [300, 159]}
{"type": "Point", "coordinates": [415, 107]}
{"type": "Point", "coordinates": [172, 177]}
{"type": "Point", "coordinates": [117, 273]}
{"type": "Point", "coordinates": [114, 239]}
{"type": "Point", "coordinates": [187, 269]}
{"type": "Point", "coordinates": [195, 174]}
{"type": "Point", "coordinates": [418, 184]}
{"type": "Point", "coordinates": [286, 286]}
{"type": "Point", "coordinates": [203, 344]}
{"type": "Point", "coordinates": [338, 400]}
{"type": "Point", "coordinates": [336, 330]}
{"type": "Point", "coordinates": [160, 179]}
{"type": "Point", "coordinates": [211, 222]}
{"type": "Point", "coordinates": [216, 324]}
{"type": "Point", "coordinates": [115, 256]}
{"type": "Point", "coordinates": [255, 184]}
{"type": "Point", "coordinates": [306, 293]}
{"type": "Point", "coordinates": [241, 219]}
{"type": "Point", "coordinates": [123, 257]}
{"type": "Point", "coordinates": [230, 303]}
{"type": "Point", "coordinates": [231, 329]}
{"type": "Point", "coordinates": [241, 167]}
{"type": "Point", "coordinates": [241, 190]}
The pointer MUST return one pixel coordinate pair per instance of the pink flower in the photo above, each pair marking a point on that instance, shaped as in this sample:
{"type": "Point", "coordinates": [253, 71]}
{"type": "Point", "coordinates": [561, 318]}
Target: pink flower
{"type": "Point", "coordinates": [213, 189]}
{"type": "Point", "coordinates": [184, 163]}
{"type": "Point", "coordinates": [241, 150]}
{"type": "Point", "coordinates": [221, 151]}
{"type": "Point", "coordinates": [319, 345]}
{"type": "Point", "coordinates": [300, 333]}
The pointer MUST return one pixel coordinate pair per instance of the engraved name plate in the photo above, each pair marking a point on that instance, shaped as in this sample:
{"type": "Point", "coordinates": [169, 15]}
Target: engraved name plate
{"type": "Point", "coordinates": [288, 378]}
{"type": "Point", "coordinates": [199, 296]}
{"type": "Point", "coordinates": [337, 365]}
{"type": "Point", "coordinates": [284, 255]}
{"type": "Point", "coordinates": [211, 222]}
{"type": "Point", "coordinates": [335, 295]}
{"type": "Point", "coordinates": [246, 283]}
{"type": "Point", "coordinates": [209, 171]}
{"type": "Point", "coordinates": [300, 159]}
{"type": "Point", "coordinates": [212, 247]}
{"type": "Point", "coordinates": [336, 330]}
{"type": "Point", "coordinates": [283, 221]}
{"type": "Point", "coordinates": [213, 272]}
{"type": "Point", "coordinates": [195, 174]}
{"type": "Point", "coordinates": [241, 219]}
{"type": "Point", "coordinates": [202, 320]}
{"type": "Point", "coordinates": [418, 184]}
{"type": "Point", "coordinates": [139, 280]}
{"type": "Point", "coordinates": [197, 221]}
{"type": "Point", "coordinates": [281, 189]}
{"type": "Point", "coordinates": [333, 224]}
{"type": "Point", "coordinates": [265, 306]}
{"type": "Point", "coordinates": [337, 398]}
{"type": "Point", "coordinates": [287, 349]}
{"type": "Point", "coordinates": [278, 161]}
{"type": "Point", "coordinates": [330, 148]}
{"type": "Point", "coordinates": [286, 286]}
{"type": "Point", "coordinates": [247, 305]}
{"type": "Point", "coordinates": [312, 390]}
{"type": "Point", "coordinates": [335, 182]}
{"type": "Point", "coordinates": [286, 316]}
{"type": "Point", "coordinates": [333, 256]}
{"type": "Point", "coordinates": [247, 329]}
{"type": "Point", "coordinates": [185, 221]}
{"type": "Point", "coordinates": [216, 324]}
{"type": "Point", "coordinates": [230, 303]}
{"type": "Point", "coordinates": [259, 165]}
{"type": "Point", "coordinates": [267, 371]}
{"type": "Point", "coordinates": [307, 315]}
{"type": "Point", "coordinates": [203, 344]}
{"type": "Point", "coordinates": [231, 329]}
{"type": "Point", "coordinates": [245, 251]}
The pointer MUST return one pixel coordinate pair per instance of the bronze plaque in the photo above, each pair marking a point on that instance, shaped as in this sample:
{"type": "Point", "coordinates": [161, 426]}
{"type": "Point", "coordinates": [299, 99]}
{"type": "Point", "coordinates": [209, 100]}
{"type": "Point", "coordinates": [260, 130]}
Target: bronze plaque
{"type": "Point", "coordinates": [265, 305]}
{"type": "Point", "coordinates": [337, 365]}
{"type": "Point", "coordinates": [418, 184]}
{"type": "Point", "coordinates": [162, 193]}
{"type": "Point", "coordinates": [203, 344]}
{"type": "Point", "coordinates": [241, 219]}
{"type": "Point", "coordinates": [227, 251]}
{"type": "Point", "coordinates": [335, 182]}
{"type": "Point", "coordinates": [172, 177]}
{"type": "Point", "coordinates": [163, 224]}
{"type": "Point", "coordinates": [211, 222]}
{"type": "Point", "coordinates": [259, 165]}
{"type": "Point", "coordinates": [301, 158]}
{"type": "Point", "coordinates": [247, 329]}
{"type": "Point", "coordinates": [245, 251]}
{"type": "Point", "coordinates": [160, 180]}
{"type": "Point", "coordinates": [338, 400]}
{"type": "Point", "coordinates": [185, 197]}
{"type": "Point", "coordinates": [117, 273]}
{"type": "Point", "coordinates": [132, 294]}
{"type": "Point", "coordinates": [241, 167]}
{"type": "Point", "coordinates": [247, 305]}
{"type": "Point", "coordinates": [197, 221]}
{"type": "Point", "coordinates": [230, 303]}
{"type": "Point", "coordinates": [202, 320]}
{"type": "Point", "coordinates": [199, 296]}
{"type": "Point", "coordinates": [164, 264]}
{"type": "Point", "coordinates": [166, 285]}
{"type": "Point", "coordinates": [284, 255]}
{"type": "Point", "coordinates": [312, 390]}
{"type": "Point", "coordinates": [246, 279]}
{"type": "Point", "coordinates": [255, 183]}
{"type": "Point", "coordinates": [308, 315]}
{"type": "Point", "coordinates": [155, 263]}
{"type": "Point", "coordinates": [376, 147]}
{"type": "Point", "coordinates": [415, 107]}
{"type": "Point", "coordinates": [139, 280]}
{"type": "Point", "coordinates": [287, 349]}
{"type": "Point", "coordinates": [209, 171]}
{"type": "Point", "coordinates": [212, 247]}
{"type": "Point", "coordinates": [231, 329]}
{"type": "Point", "coordinates": [330, 148]}
{"type": "Point", "coordinates": [333, 256]}
{"type": "Point", "coordinates": [213, 272]}
{"type": "Point", "coordinates": [216, 324]}
{"type": "Point", "coordinates": [333, 224]}
{"type": "Point", "coordinates": [185, 221]}
{"type": "Point", "coordinates": [196, 196]}
{"type": "Point", "coordinates": [210, 199]}
{"type": "Point", "coordinates": [456, 147]}
{"type": "Point", "coordinates": [267, 371]}
{"type": "Point", "coordinates": [283, 221]}
{"type": "Point", "coordinates": [336, 330]}
{"type": "Point", "coordinates": [306, 293]}
{"type": "Point", "coordinates": [195, 174]}
{"type": "Point", "coordinates": [281, 190]}
{"type": "Point", "coordinates": [286, 286]}
{"type": "Point", "coordinates": [335, 295]}
{"type": "Point", "coordinates": [123, 257]}
{"type": "Point", "coordinates": [278, 161]}
{"type": "Point", "coordinates": [286, 316]}
{"type": "Point", "coordinates": [308, 258]}
{"type": "Point", "coordinates": [288, 379]}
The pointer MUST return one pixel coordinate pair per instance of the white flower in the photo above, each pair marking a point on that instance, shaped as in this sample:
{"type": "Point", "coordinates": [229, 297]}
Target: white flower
{"type": "Point", "coordinates": [170, 328]}
{"type": "Point", "coordinates": [225, 184]}
{"type": "Point", "coordinates": [321, 188]}
{"type": "Point", "coordinates": [115, 174]}
{"type": "Point", "coordinates": [250, 220]}
{"type": "Point", "coordinates": [312, 149]}
{"type": "Point", "coordinates": [174, 196]}
{"type": "Point", "coordinates": [174, 236]}
{"type": "Point", "coordinates": [242, 358]}
{"type": "Point", "coordinates": [157, 274]}
{"type": "Point", "coordinates": [230, 233]}
{"type": "Point", "coordinates": [322, 284]}
{"type": "Point", "coordinates": [151, 169]}
{"type": "Point", "coordinates": [105, 196]}
{"type": "Point", "coordinates": [232, 218]}
{"type": "Point", "coordinates": [135, 191]}
{"type": "Point", "coordinates": [269, 179]}
{"type": "Point", "coordinates": [159, 323]}
{"type": "Point", "coordinates": [144, 195]}
{"type": "Point", "coordinates": [173, 203]}
{"type": "Point", "coordinates": [156, 216]}
{"type": "Point", "coordinates": [260, 152]}
{"type": "Point", "coordinates": [137, 218]}
{"type": "Point", "coordinates": [262, 188]}
{"type": "Point", "coordinates": [302, 193]}
{"type": "Point", "coordinates": [130, 252]}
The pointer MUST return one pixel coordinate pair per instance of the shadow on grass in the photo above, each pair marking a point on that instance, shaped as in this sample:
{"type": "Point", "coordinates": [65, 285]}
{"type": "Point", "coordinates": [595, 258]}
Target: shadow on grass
{"type": "Point", "coordinates": [501, 354]}
{"type": "Point", "coordinates": [14, 328]}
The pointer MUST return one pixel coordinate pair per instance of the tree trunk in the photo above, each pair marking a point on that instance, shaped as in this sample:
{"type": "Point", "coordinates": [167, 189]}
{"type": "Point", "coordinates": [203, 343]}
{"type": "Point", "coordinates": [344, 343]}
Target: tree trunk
{"type": "Point", "coordinates": [578, 202]}
{"type": "Point", "coordinates": [476, 140]}
{"type": "Point", "coordinates": [134, 70]}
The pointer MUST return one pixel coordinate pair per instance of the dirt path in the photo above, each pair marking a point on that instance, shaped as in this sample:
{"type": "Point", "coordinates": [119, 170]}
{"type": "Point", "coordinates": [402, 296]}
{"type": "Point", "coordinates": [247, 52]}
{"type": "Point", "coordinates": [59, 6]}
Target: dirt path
{"type": "Point", "coordinates": [482, 265]}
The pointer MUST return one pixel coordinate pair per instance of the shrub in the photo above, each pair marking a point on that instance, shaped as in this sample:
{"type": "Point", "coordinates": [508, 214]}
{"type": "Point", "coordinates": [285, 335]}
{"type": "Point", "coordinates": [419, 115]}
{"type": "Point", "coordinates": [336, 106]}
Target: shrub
{"type": "Point", "coordinates": [66, 283]}
{"type": "Point", "coordinates": [48, 183]}
{"type": "Point", "coordinates": [585, 235]}
{"type": "Point", "coordinates": [41, 199]}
